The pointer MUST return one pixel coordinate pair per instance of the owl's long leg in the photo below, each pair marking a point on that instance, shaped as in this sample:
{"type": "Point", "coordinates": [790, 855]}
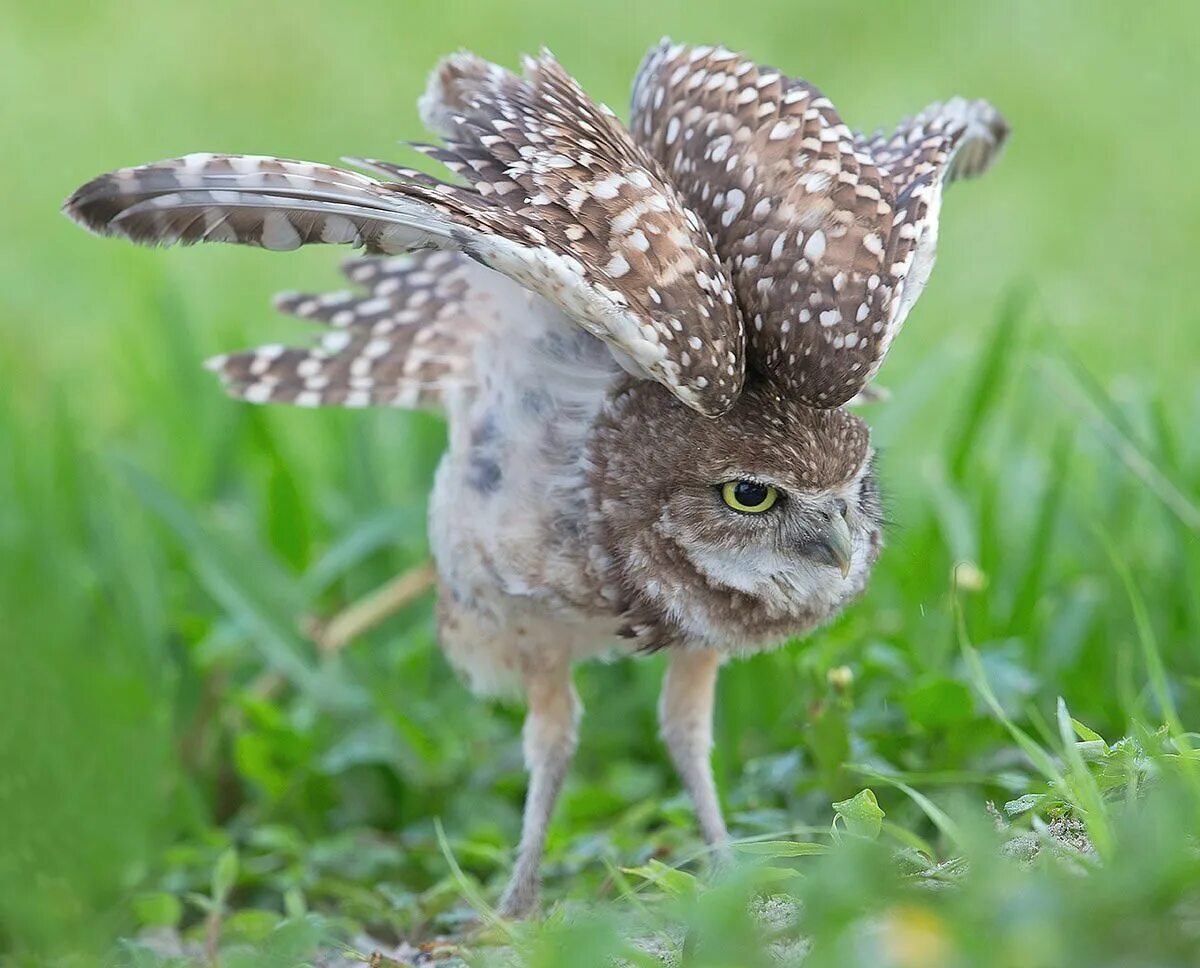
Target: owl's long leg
{"type": "Point", "coordinates": [550, 735]}
{"type": "Point", "coordinates": [685, 713]}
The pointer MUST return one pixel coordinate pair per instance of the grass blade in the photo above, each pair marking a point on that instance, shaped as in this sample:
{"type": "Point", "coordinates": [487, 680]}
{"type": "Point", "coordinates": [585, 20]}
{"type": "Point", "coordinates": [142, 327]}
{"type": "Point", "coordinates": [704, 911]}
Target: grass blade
{"type": "Point", "coordinates": [989, 378]}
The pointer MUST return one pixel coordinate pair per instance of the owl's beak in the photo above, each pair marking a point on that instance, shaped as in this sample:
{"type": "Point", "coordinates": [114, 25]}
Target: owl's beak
{"type": "Point", "coordinates": [839, 542]}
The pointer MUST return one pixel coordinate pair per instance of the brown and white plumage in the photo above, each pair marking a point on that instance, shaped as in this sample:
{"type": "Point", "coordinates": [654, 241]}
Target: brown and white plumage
{"type": "Point", "coordinates": [641, 343]}
{"type": "Point", "coordinates": [404, 342]}
{"type": "Point", "coordinates": [561, 200]}
{"type": "Point", "coordinates": [829, 236]}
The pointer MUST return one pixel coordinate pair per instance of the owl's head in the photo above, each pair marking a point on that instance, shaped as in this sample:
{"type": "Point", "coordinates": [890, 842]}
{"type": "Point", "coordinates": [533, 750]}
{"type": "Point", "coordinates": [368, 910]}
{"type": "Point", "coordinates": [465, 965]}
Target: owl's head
{"type": "Point", "coordinates": [737, 531]}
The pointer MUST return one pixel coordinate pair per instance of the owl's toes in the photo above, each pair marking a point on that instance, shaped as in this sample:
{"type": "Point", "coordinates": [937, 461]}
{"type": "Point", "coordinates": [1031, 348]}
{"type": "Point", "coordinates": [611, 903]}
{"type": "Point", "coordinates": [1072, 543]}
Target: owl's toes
{"type": "Point", "coordinates": [520, 899]}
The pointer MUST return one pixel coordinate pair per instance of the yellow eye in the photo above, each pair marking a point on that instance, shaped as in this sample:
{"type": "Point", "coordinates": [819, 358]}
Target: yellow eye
{"type": "Point", "coordinates": [749, 497]}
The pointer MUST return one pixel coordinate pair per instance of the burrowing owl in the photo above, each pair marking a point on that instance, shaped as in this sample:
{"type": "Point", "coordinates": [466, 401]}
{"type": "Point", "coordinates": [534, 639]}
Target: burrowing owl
{"type": "Point", "coordinates": [642, 339]}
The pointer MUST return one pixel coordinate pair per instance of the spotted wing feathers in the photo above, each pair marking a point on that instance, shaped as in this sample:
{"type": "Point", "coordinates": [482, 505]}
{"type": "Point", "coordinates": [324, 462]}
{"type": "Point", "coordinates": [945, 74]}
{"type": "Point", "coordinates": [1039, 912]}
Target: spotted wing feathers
{"type": "Point", "coordinates": [561, 200]}
{"type": "Point", "coordinates": [537, 145]}
{"type": "Point", "coordinates": [742, 222]}
{"type": "Point", "coordinates": [820, 227]}
{"type": "Point", "coordinates": [407, 342]}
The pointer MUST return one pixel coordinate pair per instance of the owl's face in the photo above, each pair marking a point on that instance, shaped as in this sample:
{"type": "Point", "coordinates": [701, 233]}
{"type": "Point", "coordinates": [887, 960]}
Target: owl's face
{"type": "Point", "coordinates": [740, 530]}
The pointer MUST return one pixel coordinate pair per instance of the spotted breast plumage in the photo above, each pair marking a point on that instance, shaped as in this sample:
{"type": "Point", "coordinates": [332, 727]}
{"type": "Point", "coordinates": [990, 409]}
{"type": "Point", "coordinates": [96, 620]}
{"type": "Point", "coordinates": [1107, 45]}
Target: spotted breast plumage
{"type": "Point", "coordinates": [642, 340]}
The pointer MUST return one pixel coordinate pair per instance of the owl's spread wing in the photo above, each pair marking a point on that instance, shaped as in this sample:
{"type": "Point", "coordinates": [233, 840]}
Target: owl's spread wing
{"type": "Point", "coordinates": [560, 200]}
{"type": "Point", "coordinates": [828, 242]}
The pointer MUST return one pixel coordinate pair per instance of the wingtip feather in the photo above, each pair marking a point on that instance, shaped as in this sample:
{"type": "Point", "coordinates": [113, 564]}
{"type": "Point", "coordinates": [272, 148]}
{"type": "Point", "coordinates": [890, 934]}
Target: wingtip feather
{"type": "Point", "coordinates": [85, 206]}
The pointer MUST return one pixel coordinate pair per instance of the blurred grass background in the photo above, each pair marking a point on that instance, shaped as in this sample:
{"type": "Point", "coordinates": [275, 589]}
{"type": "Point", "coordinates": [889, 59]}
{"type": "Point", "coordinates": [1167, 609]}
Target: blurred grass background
{"type": "Point", "coordinates": [159, 543]}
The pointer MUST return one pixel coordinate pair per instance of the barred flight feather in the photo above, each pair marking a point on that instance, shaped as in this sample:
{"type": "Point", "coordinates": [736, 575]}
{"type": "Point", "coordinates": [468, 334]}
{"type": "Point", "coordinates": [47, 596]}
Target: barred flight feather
{"type": "Point", "coordinates": [742, 222]}
{"type": "Point", "coordinates": [406, 343]}
{"type": "Point", "coordinates": [561, 200]}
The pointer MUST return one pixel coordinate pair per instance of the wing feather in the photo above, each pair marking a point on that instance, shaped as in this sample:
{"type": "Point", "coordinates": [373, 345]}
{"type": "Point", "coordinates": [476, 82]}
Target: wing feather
{"type": "Point", "coordinates": [829, 236]}
{"type": "Point", "coordinates": [407, 342]}
{"type": "Point", "coordinates": [561, 200]}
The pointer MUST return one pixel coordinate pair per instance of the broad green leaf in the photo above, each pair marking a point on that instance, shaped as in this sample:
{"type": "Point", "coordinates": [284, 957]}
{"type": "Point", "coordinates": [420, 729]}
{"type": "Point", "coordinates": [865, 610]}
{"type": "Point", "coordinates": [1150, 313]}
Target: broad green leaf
{"type": "Point", "coordinates": [1084, 733]}
{"type": "Point", "coordinates": [157, 910]}
{"type": "Point", "coordinates": [1024, 804]}
{"type": "Point", "coordinates": [294, 903]}
{"type": "Point", "coordinates": [224, 875]}
{"type": "Point", "coordinates": [861, 814]}
{"type": "Point", "coordinates": [935, 813]}
{"type": "Point", "coordinates": [249, 926]}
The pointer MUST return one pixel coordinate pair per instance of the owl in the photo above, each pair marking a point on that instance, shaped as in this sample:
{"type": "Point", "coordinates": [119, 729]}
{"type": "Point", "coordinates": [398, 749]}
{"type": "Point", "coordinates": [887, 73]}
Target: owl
{"type": "Point", "coordinates": [643, 339]}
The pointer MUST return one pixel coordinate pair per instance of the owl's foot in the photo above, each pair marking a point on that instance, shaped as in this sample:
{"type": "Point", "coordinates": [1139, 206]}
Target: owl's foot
{"type": "Point", "coordinates": [520, 898]}
{"type": "Point", "coordinates": [721, 859]}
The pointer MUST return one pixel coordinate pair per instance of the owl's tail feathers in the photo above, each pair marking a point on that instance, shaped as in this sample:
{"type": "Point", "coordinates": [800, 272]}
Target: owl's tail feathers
{"type": "Point", "coordinates": [250, 200]}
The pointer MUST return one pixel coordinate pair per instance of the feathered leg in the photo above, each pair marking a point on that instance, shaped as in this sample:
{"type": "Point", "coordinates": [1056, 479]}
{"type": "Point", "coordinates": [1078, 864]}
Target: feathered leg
{"type": "Point", "coordinates": [550, 737]}
{"type": "Point", "coordinates": [685, 713]}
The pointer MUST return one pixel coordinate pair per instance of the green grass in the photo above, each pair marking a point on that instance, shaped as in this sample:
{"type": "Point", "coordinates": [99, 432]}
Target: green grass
{"type": "Point", "coordinates": [173, 751]}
